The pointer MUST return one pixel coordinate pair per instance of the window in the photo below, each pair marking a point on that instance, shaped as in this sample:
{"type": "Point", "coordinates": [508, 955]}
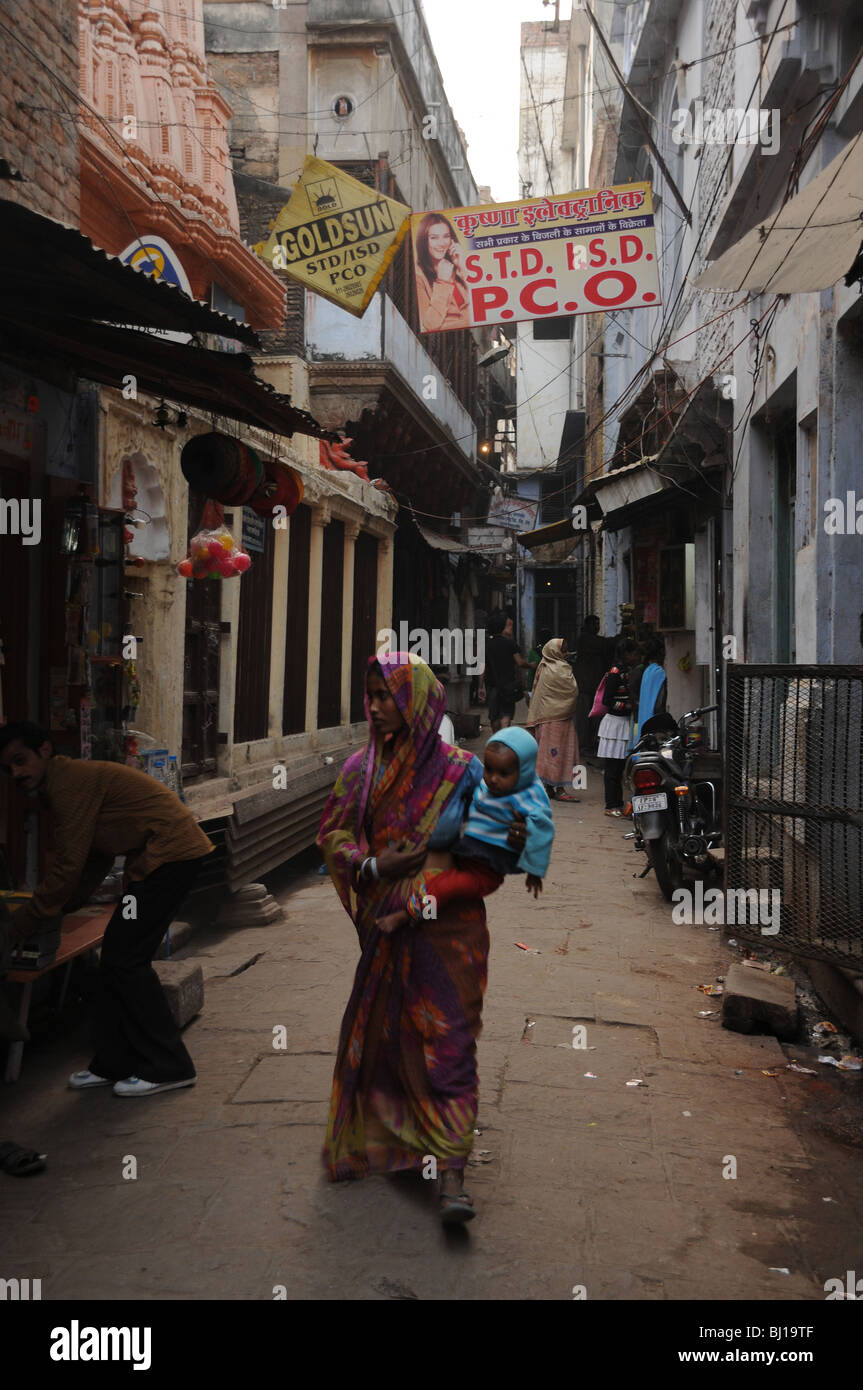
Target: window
{"type": "Point", "coordinates": [553, 329]}
{"type": "Point", "coordinates": [677, 588]}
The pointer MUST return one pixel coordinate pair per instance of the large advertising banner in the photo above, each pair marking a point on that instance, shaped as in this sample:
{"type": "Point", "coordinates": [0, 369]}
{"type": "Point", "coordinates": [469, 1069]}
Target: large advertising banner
{"type": "Point", "coordinates": [576, 254]}
{"type": "Point", "coordinates": [336, 235]}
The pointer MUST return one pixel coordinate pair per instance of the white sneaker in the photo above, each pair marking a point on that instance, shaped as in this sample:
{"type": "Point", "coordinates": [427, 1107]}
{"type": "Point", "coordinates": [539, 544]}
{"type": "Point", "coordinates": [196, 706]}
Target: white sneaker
{"type": "Point", "coordinates": [83, 1080]}
{"type": "Point", "coordinates": [134, 1086]}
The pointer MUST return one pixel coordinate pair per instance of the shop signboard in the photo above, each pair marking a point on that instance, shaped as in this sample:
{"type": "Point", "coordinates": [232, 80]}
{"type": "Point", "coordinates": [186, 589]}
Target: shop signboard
{"type": "Point", "coordinates": [17, 432]}
{"type": "Point", "coordinates": [153, 256]}
{"type": "Point", "coordinates": [336, 236]}
{"type": "Point", "coordinates": [502, 262]}
{"type": "Point", "coordinates": [513, 512]}
{"type": "Point", "coordinates": [253, 531]}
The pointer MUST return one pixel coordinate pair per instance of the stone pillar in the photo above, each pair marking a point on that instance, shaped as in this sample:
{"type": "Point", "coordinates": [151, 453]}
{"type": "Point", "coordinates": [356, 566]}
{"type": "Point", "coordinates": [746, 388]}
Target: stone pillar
{"type": "Point", "coordinates": [385, 583]}
{"type": "Point", "coordinates": [352, 530]}
{"type": "Point", "coordinates": [281, 557]}
{"type": "Point", "coordinates": [320, 519]}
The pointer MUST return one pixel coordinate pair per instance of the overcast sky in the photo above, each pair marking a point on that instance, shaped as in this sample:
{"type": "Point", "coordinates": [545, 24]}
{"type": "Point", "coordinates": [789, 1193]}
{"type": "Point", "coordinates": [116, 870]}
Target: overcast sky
{"type": "Point", "coordinates": [476, 43]}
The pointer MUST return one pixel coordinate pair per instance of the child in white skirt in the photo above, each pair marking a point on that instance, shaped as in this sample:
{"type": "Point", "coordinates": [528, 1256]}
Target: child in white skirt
{"type": "Point", "coordinates": [615, 729]}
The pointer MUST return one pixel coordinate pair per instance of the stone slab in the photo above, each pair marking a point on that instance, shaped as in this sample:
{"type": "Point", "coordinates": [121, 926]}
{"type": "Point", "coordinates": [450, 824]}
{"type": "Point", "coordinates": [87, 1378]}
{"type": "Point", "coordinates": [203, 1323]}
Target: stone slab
{"type": "Point", "coordinates": [180, 933]}
{"type": "Point", "coordinates": [756, 1002]}
{"type": "Point", "coordinates": [290, 1077]}
{"type": "Point", "coordinates": [183, 983]}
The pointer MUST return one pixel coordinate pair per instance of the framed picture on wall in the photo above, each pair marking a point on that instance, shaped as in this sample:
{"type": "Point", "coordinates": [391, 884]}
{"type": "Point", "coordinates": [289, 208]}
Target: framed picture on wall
{"type": "Point", "coordinates": [677, 588]}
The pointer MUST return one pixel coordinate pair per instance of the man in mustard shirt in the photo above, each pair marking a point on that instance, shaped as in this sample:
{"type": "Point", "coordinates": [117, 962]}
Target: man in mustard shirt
{"type": "Point", "coordinates": [100, 810]}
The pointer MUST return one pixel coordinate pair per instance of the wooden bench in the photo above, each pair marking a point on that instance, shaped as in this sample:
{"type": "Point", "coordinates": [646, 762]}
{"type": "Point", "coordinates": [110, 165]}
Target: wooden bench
{"type": "Point", "coordinates": [81, 931]}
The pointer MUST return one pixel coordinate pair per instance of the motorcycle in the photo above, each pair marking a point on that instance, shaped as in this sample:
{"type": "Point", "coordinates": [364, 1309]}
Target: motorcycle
{"type": "Point", "coordinates": [676, 801]}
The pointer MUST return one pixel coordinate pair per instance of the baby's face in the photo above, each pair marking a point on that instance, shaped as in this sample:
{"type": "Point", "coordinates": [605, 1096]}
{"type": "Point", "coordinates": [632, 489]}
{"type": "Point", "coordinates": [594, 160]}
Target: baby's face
{"type": "Point", "coordinates": [501, 769]}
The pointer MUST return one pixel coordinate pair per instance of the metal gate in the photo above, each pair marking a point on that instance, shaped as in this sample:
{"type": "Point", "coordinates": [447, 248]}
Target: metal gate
{"type": "Point", "coordinates": [794, 808]}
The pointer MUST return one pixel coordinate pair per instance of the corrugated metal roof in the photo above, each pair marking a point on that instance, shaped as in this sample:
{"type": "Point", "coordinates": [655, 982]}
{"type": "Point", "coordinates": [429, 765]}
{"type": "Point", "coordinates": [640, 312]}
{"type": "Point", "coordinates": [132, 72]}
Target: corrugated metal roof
{"type": "Point", "coordinates": [49, 263]}
{"type": "Point", "coordinates": [221, 383]}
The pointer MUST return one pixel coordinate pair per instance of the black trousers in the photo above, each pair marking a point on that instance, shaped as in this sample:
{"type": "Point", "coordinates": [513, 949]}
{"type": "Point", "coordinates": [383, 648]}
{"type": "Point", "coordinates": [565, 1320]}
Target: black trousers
{"type": "Point", "coordinates": [135, 1033]}
{"type": "Point", "coordinates": [613, 779]}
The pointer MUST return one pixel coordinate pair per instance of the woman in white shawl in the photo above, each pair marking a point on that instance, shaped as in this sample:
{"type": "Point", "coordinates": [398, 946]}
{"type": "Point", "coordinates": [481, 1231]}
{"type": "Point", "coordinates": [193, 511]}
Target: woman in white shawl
{"type": "Point", "coordinates": [550, 718]}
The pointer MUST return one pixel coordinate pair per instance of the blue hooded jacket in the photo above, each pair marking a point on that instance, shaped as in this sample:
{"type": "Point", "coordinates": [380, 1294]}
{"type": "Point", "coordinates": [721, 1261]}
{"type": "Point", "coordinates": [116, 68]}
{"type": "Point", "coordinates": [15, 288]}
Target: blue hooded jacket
{"type": "Point", "coordinates": [490, 817]}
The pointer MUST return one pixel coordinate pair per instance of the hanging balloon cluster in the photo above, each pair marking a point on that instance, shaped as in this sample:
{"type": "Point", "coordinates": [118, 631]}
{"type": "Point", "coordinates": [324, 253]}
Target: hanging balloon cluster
{"type": "Point", "coordinates": [214, 554]}
{"type": "Point", "coordinates": [232, 474]}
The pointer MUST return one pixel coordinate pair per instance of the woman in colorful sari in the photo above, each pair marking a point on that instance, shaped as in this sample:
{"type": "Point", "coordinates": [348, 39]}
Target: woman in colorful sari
{"type": "Point", "coordinates": [405, 1088]}
{"type": "Point", "coordinates": [551, 719]}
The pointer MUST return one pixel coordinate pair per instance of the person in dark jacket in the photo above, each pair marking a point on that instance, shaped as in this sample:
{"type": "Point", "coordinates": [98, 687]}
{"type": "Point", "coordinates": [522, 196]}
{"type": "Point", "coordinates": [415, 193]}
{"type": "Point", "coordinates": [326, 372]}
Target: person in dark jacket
{"type": "Point", "coordinates": [593, 653]}
{"type": "Point", "coordinates": [501, 680]}
{"type": "Point", "coordinates": [100, 810]}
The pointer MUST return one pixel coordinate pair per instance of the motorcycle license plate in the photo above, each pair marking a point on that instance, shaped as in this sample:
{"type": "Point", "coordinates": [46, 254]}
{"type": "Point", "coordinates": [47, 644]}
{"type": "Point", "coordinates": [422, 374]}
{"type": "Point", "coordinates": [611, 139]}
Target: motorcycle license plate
{"type": "Point", "coordinates": [657, 802]}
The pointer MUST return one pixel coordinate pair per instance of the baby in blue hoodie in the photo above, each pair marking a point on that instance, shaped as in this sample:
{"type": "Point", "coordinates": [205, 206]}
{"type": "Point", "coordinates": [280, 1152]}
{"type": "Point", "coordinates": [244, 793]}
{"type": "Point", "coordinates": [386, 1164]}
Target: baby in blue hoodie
{"type": "Point", "coordinates": [482, 856]}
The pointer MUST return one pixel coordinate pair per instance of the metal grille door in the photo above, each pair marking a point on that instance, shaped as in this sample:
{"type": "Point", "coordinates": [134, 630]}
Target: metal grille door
{"type": "Point", "coordinates": [794, 805]}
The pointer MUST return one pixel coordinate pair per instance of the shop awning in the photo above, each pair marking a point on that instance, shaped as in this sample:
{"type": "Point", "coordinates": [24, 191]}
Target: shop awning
{"type": "Point", "coordinates": [626, 486]}
{"type": "Point", "coordinates": [222, 383]}
{"type": "Point", "coordinates": [47, 263]}
{"type": "Point", "coordinates": [65, 311]}
{"type": "Point", "coordinates": [438, 542]}
{"type": "Point", "coordinates": [810, 245]}
{"type": "Point", "coordinates": [545, 535]}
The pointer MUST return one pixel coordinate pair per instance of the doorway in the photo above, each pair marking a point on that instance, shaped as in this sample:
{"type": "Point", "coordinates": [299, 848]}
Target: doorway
{"type": "Point", "coordinates": [201, 665]}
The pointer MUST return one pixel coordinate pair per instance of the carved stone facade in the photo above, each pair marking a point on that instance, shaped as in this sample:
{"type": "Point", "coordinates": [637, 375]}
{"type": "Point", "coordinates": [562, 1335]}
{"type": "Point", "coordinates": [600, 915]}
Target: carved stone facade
{"type": "Point", "coordinates": [155, 156]}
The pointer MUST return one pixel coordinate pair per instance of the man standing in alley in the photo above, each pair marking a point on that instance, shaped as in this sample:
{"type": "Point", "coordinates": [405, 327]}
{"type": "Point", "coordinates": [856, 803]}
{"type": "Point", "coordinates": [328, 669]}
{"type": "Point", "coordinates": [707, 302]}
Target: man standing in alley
{"type": "Point", "coordinates": [100, 810]}
{"type": "Point", "coordinates": [502, 658]}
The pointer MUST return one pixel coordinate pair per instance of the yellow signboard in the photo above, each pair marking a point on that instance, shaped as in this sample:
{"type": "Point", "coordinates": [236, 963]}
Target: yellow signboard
{"type": "Point", "coordinates": [336, 236]}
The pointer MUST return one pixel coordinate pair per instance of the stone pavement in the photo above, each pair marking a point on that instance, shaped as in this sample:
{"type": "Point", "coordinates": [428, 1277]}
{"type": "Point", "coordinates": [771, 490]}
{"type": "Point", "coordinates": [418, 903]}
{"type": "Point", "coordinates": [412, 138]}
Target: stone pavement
{"type": "Point", "coordinates": [579, 1181]}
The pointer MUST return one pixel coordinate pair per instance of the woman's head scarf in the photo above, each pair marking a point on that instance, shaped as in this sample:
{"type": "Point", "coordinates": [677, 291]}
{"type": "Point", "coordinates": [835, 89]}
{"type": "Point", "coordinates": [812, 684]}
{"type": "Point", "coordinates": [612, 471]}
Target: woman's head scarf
{"type": "Point", "coordinates": [555, 691]}
{"type": "Point", "coordinates": [375, 804]}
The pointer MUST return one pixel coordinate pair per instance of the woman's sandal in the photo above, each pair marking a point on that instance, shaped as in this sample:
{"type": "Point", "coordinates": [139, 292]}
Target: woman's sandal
{"type": "Point", "coordinates": [564, 796]}
{"type": "Point", "coordinates": [614, 813]}
{"type": "Point", "coordinates": [19, 1162]}
{"type": "Point", "coordinates": [456, 1208]}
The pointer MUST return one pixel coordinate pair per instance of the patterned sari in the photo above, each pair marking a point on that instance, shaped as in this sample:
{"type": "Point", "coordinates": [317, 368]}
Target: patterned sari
{"type": "Point", "coordinates": [405, 1084]}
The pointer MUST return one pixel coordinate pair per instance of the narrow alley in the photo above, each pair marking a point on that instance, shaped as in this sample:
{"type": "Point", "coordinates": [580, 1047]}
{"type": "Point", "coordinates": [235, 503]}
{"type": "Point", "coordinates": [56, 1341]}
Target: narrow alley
{"type": "Point", "coordinates": [585, 1186]}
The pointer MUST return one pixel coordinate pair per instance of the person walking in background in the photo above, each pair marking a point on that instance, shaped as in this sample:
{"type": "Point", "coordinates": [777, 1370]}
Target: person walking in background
{"type": "Point", "coordinates": [100, 810]}
{"type": "Point", "coordinates": [502, 658]}
{"type": "Point", "coordinates": [534, 656]}
{"type": "Point", "coordinates": [592, 657]}
{"type": "Point", "coordinates": [405, 1087]}
{"type": "Point", "coordinates": [551, 716]}
{"type": "Point", "coordinates": [614, 731]}
{"type": "Point", "coordinates": [648, 685]}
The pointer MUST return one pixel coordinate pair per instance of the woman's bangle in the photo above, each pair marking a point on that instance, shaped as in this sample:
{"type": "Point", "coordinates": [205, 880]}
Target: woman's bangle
{"type": "Point", "coordinates": [369, 868]}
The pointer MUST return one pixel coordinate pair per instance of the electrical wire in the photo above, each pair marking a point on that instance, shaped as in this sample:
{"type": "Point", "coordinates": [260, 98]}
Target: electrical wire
{"type": "Point", "coordinates": [640, 439]}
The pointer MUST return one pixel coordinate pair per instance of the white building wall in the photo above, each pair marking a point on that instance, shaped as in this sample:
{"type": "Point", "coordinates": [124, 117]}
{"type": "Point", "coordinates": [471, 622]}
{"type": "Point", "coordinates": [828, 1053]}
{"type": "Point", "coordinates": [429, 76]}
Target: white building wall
{"type": "Point", "coordinates": [546, 376]}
